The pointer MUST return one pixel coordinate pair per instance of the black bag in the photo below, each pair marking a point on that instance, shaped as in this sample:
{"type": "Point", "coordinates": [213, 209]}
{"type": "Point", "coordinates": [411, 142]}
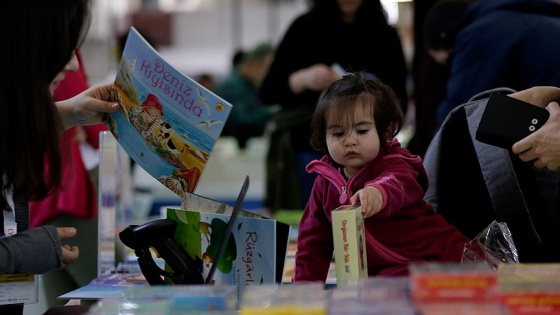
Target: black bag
{"type": "Point", "coordinates": [473, 183]}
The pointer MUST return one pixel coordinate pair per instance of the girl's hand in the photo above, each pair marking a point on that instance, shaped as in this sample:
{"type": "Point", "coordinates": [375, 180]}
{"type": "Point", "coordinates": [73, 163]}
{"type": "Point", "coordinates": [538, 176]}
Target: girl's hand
{"type": "Point", "coordinates": [88, 107]}
{"type": "Point", "coordinates": [370, 199]}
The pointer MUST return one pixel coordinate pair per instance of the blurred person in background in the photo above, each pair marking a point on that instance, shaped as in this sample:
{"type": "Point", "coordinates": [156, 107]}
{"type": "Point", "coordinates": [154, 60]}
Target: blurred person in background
{"type": "Point", "coordinates": [248, 117]}
{"type": "Point", "coordinates": [332, 38]}
{"type": "Point", "coordinates": [429, 80]}
{"type": "Point", "coordinates": [494, 43]}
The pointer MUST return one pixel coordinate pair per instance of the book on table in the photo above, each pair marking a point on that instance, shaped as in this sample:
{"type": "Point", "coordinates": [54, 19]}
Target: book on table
{"type": "Point", "coordinates": [349, 240]}
{"type": "Point", "coordinates": [251, 248]}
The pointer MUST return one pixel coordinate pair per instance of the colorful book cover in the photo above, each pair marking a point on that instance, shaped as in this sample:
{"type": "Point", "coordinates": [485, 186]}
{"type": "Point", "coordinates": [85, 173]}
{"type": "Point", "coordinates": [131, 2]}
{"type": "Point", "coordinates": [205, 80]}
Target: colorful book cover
{"type": "Point", "coordinates": [349, 244]}
{"type": "Point", "coordinates": [282, 231]}
{"type": "Point", "coordinates": [250, 255]}
{"type": "Point", "coordinates": [168, 123]}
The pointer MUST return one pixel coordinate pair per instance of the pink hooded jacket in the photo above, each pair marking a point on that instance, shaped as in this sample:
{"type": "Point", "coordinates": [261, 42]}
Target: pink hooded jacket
{"type": "Point", "coordinates": [406, 230]}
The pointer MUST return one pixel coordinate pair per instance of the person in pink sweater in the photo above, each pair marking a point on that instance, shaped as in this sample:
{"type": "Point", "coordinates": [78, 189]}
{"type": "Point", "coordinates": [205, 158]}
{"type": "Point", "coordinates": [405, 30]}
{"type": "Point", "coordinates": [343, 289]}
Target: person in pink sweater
{"type": "Point", "coordinates": [77, 195]}
{"type": "Point", "coordinates": [354, 124]}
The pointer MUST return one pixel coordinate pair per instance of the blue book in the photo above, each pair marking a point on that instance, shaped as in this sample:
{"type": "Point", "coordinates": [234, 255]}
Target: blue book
{"type": "Point", "coordinates": [168, 123]}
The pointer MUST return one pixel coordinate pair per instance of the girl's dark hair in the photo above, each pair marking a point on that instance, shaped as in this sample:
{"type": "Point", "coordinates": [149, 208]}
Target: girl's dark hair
{"type": "Point", "coordinates": [341, 98]}
{"type": "Point", "coordinates": [39, 38]}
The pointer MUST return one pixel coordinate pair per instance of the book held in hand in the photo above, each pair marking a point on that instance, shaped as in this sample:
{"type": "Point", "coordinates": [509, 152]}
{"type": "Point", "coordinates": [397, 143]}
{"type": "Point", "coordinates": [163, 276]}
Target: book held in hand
{"type": "Point", "coordinates": [349, 243]}
{"type": "Point", "coordinates": [168, 123]}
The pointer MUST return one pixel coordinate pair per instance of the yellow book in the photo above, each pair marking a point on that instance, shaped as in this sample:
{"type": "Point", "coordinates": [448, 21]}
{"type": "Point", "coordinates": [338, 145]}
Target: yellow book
{"type": "Point", "coordinates": [349, 243]}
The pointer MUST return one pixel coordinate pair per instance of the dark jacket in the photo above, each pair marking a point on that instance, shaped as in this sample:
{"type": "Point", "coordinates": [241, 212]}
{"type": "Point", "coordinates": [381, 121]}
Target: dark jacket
{"type": "Point", "coordinates": [513, 43]}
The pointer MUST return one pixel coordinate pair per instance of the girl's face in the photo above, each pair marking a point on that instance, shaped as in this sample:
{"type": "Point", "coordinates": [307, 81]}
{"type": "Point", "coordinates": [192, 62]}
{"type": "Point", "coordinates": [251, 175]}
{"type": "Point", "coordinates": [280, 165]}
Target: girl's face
{"type": "Point", "coordinates": [72, 65]}
{"type": "Point", "coordinates": [353, 141]}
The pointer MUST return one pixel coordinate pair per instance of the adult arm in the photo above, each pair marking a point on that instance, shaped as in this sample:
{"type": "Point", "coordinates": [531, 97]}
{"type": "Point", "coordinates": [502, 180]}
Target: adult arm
{"type": "Point", "coordinates": [37, 250]}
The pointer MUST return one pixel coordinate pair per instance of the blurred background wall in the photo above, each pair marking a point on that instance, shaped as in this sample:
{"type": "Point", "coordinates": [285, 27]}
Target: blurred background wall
{"type": "Point", "coordinates": [201, 36]}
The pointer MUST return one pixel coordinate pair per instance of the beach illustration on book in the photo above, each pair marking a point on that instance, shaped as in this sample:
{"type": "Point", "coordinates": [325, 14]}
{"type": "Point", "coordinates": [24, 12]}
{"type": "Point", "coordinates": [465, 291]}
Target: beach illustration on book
{"type": "Point", "coordinates": [168, 123]}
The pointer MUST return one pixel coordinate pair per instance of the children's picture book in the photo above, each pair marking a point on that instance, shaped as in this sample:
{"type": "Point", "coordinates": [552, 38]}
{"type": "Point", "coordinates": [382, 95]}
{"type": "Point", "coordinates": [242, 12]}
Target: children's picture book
{"type": "Point", "coordinates": [349, 239]}
{"type": "Point", "coordinates": [277, 230]}
{"type": "Point", "coordinates": [249, 257]}
{"type": "Point", "coordinates": [168, 123]}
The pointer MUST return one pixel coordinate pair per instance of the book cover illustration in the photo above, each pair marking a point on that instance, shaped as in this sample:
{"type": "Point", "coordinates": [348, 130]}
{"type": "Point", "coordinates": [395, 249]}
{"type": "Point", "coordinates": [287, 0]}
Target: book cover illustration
{"type": "Point", "coordinates": [250, 255]}
{"type": "Point", "coordinates": [281, 232]}
{"type": "Point", "coordinates": [168, 123]}
{"type": "Point", "coordinates": [349, 243]}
